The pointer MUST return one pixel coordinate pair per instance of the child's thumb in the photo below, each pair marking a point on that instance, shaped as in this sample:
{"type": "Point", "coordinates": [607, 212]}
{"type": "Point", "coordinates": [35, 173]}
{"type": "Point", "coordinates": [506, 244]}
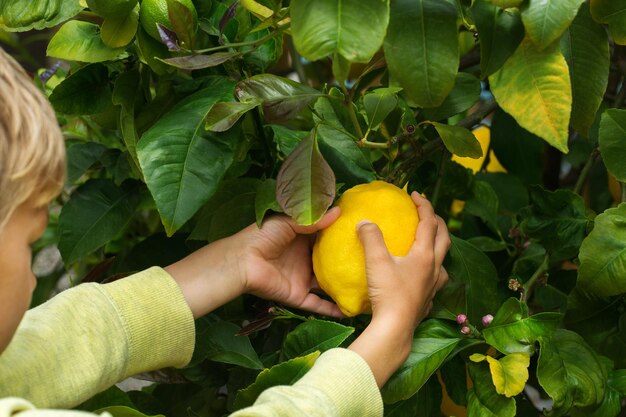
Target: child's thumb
{"type": "Point", "coordinates": [373, 243]}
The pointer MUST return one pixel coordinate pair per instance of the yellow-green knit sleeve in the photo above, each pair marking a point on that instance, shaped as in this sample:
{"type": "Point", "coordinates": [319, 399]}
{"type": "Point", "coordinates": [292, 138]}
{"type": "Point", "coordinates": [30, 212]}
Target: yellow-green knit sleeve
{"type": "Point", "coordinates": [89, 337]}
{"type": "Point", "coordinates": [340, 384]}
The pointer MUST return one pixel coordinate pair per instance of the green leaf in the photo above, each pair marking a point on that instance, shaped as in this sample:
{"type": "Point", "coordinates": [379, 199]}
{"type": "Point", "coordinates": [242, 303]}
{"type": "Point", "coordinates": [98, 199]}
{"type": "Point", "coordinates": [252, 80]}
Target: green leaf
{"type": "Point", "coordinates": [612, 141]}
{"type": "Point", "coordinates": [322, 29]}
{"type": "Point", "coordinates": [603, 254]}
{"type": "Point", "coordinates": [109, 397]}
{"type": "Point", "coordinates": [305, 186]}
{"type": "Point", "coordinates": [196, 62]}
{"type": "Point", "coordinates": [86, 91]}
{"type": "Point", "coordinates": [224, 115]}
{"type": "Point", "coordinates": [378, 104]}
{"type": "Point", "coordinates": [433, 342]}
{"type": "Point", "coordinates": [265, 200]}
{"type": "Point", "coordinates": [482, 399]}
{"type": "Point", "coordinates": [286, 139]}
{"type": "Point", "coordinates": [96, 213]}
{"type": "Point", "coordinates": [611, 404]}
{"type": "Point", "coordinates": [425, 403]}
{"type": "Point", "coordinates": [585, 45]}
{"type": "Point", "coordinates": [487, 244]}
{"type": "Point", "coordinates": [182, 163]}
{"type": "Point", "coordinates": [123, 411]}
{"type": "Point", "coordinates": [512, 330]}
{"type": "Point", "coordinates": [569, 371]}
{"type": "Point", "coordinates": [517, 149]}
{"type": "Point", "coordinates": [612, 12]}
{"type": "Point", "coordinates": [422, 49]}
{"type": "Point", "coordinates": [218, 341]}
{"type": "Point", "coordinates": [484, 204]}
{"type": "Point", "coordinates": [474, 274]}
{"type": "Point", "coordinates": [458, 140]}
{"type": "Point", "coordinates": [126, 92]}
{"type": "Point", "coordinates": [546, 20]}
{"type": "Point", "coordinates": [617, 380]}
{"type": "Point", "coordinates": [282, 98]}
{"type": "Point", "coordinates": [534, 87]}
{"type": "Point", "coordinates": [286, 373]}
{"type": "Point", "coordinates": [500, 33]}
{"type": "Point", "coordinates": [464, 94]}
{"type": "Point", "coordinates": [262, 58]}
{"type": "Point", "coordinates": [557, 219]}
{"type": "Point", "coordinates": [151, 52]}
{"type": "Point", "coordinates": [80, 157]}
{"type": "Point", "coordinates": [20, 16]}
{"type": "Point", "coordinates": [344, 156]}
{"type": "Point", "coordinates": [81, 41]}
{"type": "Point", "coordinates": [119, 32]}
{"type": "Point", "coordinates": [509, 373]}
{"type": "Point", "coordinates": [314, 335]}
{"type": "Point", "coordinates": [506, 3]}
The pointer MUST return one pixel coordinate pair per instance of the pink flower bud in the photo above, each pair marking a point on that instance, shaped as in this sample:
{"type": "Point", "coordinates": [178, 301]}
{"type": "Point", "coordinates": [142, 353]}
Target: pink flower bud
{"type": "Point", "coordinates": [461, 318]}
{"type": "Point", "coordinates": [466, 330]}
{"type": "Point", "coordinates": [487, 319]}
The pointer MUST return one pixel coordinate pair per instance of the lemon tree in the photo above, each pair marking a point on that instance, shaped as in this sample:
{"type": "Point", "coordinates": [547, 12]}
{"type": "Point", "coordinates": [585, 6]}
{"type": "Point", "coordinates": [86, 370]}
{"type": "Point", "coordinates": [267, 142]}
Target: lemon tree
{"type": "Point", "coordinates": [508, 115]}
{"type": "Point", "coordinates": [338, 259]}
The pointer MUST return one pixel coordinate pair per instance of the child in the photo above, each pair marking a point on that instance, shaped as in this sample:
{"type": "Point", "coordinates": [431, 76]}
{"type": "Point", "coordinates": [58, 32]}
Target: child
{"type": "Point", "coordinates": [92, 336]}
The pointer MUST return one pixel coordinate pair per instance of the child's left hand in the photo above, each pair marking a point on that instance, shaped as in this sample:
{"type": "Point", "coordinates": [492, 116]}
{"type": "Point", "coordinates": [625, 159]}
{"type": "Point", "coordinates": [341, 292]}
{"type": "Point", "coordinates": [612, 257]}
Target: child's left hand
{"type": "Point", "coordinates": [273, 262]}
{"type": "Point", "coordinates": [276, 263]}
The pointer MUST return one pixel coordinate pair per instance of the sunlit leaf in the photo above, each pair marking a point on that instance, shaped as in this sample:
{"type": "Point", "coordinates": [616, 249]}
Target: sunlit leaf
{"type": "Point", "coordinates": [326, 28]}
{"type": "Point", "coordinates": [314, 335]}
{"type": "Point", "coordinates": [305, 186]}
{"type": "Point", "coordinates": [20, 16]}
{"type": "Point", "coordinates": [534, 87]}
{"type": "Point", "coordinates": [508, 374]}
{"type": "Point", "coordinates": [81, 41]}
{"type": "Point", "coordinates": [603, 254]}
{"type": "Point", "coordinates": [513, 330]}
{"type": "Point", "coordinates": [119, 32]}
{"type": "Point", "coordinates": [546, 20]}
{"type": "Point", "coordinates": [422, 49]}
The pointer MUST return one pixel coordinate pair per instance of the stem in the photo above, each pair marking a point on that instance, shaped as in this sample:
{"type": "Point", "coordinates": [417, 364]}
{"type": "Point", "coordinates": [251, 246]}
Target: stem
{"type": "Point", "coordinates": [623, 189]}
{"type": "Point", "coordinates": [364, 143]}
{"type": "Point", "coordinates": [582, 179]}
{"type": "Point", "coordinates": [530, 284]}
{"type": "Point", "coordinates": [352, 113]}
{"type": "Point", "coordinates": [238, 44]}
{"type": "Point", "coordinates": [297, 63]}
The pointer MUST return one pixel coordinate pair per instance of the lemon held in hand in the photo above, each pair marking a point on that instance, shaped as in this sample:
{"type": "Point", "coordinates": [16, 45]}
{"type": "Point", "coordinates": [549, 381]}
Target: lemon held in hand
{"type": "Point", "coordinates": [338, 258]}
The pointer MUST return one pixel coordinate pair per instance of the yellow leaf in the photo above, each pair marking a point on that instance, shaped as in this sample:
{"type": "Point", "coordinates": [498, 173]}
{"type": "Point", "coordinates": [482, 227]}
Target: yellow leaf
{"type": "Point", "coordinates": [260, 11]}
{"type": "Point", "coordinates": [509, 374]}
{"type": "Point", "coordinates": [534, 87]}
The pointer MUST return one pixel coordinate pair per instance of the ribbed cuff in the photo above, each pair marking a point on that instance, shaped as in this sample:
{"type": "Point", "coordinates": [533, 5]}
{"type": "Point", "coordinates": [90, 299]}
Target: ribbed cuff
{"type": "Point", "coordinates": [358, 394]}
{"type": "Point", "coordinates": [157, 320]}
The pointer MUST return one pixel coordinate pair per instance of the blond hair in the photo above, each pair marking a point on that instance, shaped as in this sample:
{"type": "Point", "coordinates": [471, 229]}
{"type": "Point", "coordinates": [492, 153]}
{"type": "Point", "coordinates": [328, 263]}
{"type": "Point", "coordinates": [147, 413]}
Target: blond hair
{"type": "Point", "coordinates": [32, 150]}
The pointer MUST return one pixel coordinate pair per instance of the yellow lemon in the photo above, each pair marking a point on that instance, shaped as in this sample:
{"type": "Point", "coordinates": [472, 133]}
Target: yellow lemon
{"type": "Point", "coordinates": [155, 11]}
{"type": "Point", "coordinates": [483, 134]}
{"type": "Point", "coordinates": [338, 257]}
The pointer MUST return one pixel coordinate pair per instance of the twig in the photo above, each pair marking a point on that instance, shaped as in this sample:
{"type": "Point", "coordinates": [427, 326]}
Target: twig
{"type": "Point", "coordinates": [582, 179]}
{"type": "Point", "coordinates": [532, 282]}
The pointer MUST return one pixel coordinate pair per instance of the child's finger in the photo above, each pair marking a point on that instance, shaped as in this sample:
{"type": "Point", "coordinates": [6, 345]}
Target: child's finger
{"type": "Point", "coordinates": [329, 217]}
{"type": "Point", "coordinates": [373, 243]}
{"type": "Point", "coordinates": [427, 228]}
{"type": "Point", "coordinates": [315, 304]}
{"type": "Point", "coordinates": [442, 241]}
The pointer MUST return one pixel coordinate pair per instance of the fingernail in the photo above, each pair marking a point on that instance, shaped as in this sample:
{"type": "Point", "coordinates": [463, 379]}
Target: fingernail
{"type": "Point", "coordinates": [361, 223]}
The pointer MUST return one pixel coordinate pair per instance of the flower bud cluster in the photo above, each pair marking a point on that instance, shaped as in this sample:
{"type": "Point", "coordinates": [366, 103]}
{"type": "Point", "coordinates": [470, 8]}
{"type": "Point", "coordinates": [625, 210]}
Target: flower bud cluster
{"type": "Point", "coordinates": [466, 327]}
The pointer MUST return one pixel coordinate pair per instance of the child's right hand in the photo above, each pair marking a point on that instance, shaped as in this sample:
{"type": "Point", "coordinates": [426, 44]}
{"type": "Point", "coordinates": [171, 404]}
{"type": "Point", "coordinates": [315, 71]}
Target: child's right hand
{"type": "Point", "coordinates": [401, 289]}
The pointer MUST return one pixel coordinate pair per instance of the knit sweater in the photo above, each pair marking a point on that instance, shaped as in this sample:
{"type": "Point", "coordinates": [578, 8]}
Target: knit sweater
{"type": "Point", "coordinates": [89, 337]}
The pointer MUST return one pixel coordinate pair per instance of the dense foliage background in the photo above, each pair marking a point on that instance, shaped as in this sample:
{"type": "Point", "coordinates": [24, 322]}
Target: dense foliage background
{"type": "Point", "coordinates": [179, 141]}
